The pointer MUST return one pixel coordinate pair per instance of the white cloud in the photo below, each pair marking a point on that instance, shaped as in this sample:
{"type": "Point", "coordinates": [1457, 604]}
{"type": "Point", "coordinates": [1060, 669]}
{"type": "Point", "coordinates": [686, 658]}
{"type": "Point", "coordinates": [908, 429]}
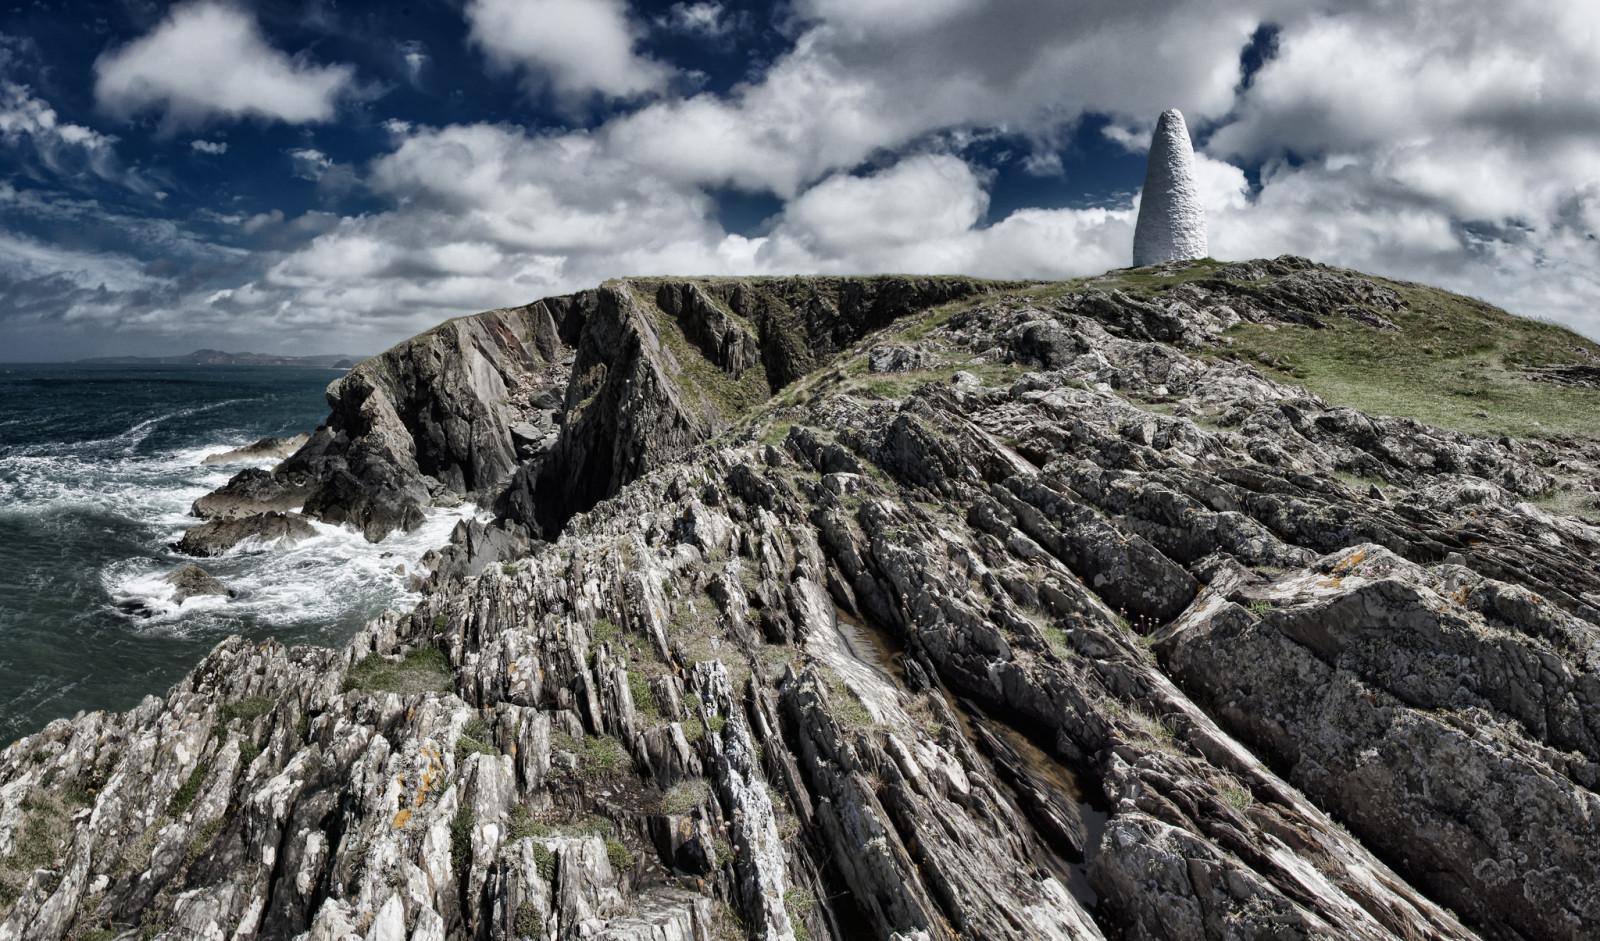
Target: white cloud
{"type": "Point", "coordinates": [63, 148]}
{"type": "Point", "coordinates": [577, 47]}
{"type": "Point", "coordinates": [1456, 144]}
{"type": "Point", "coordinates": [208, 60]}
{"type": "Point", "coordinates": [309, 163]}
{"type": "Point", "coordinates": [215, 148]}
{"type": "Point", "coordinates": [704, 18]}
{"type": "Point", "coordinates": [905, 218]}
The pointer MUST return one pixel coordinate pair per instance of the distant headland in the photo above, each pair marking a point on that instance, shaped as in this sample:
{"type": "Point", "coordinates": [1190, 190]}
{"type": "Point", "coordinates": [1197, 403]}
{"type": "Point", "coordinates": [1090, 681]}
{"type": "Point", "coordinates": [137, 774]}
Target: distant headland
{"type": "Point", "coordinates": [219, 358]}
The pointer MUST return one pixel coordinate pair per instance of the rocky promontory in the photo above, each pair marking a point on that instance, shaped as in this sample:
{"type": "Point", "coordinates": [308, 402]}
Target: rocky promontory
{"type": "Point", "coordinates": [878, 608]}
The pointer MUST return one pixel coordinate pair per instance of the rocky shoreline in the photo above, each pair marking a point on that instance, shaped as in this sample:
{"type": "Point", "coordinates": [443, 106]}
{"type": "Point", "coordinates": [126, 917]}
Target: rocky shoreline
{"type": "Point", "coordinates": [897, 608]}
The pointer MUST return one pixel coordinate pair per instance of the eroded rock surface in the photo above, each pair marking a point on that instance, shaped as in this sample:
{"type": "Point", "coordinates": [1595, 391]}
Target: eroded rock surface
{"type": "Point", "coordinates": [265, 449]}
{"type": "Point", "coordinates": [1065, 633]}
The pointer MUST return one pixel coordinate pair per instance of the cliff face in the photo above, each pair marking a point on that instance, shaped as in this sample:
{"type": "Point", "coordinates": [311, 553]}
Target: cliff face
{"type": "Point", "coordinates": [481, 408]}
{"type": "Point", "coordinates": [1026, 616]}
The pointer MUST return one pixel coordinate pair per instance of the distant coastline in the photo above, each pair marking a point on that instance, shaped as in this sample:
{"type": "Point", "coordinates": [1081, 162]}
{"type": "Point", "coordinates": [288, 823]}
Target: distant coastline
{"type": "Point", "coordinates": [219, 358]}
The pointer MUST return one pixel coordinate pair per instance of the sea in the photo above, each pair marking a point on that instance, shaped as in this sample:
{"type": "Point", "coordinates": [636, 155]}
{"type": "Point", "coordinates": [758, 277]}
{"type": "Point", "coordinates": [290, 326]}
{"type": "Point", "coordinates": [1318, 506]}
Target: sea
{"type": "Point", "coordinates": [99, 465]}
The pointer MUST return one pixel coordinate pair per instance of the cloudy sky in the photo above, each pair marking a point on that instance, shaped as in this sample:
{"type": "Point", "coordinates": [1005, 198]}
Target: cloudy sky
{"type": "Point", "coordinates": [306, 176]}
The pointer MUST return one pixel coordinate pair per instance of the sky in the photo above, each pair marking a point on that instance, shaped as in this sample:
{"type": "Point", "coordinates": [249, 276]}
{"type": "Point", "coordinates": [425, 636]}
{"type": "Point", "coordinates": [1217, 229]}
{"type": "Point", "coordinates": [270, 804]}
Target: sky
{"type": "Point", "coordinates": [331, 176]}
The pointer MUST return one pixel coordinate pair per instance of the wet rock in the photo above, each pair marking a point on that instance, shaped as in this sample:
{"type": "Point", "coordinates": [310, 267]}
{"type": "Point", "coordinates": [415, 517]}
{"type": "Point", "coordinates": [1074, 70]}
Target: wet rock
{"type": "Point", "coordinates": [265, 449]}
{"type": "Point", "coordinates": [257, 533]}
{"type": "Point", "coordinates": [191, 581]}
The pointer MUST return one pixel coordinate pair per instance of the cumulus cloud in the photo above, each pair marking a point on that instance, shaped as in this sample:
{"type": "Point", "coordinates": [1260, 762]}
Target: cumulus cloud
{"type": "Point", "coordinates": [208, 60]}
{"type": "Point", "coordinates": [215, 148]}
{"type": "Point", "coordinates": [575, 48]}
{"type": "Point", "coordinates": [1457, 144]}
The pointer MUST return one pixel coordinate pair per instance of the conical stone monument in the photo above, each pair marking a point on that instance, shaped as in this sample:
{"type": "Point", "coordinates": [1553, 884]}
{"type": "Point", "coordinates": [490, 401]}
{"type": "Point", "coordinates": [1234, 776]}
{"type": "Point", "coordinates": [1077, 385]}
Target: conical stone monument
{"type": "Point", "coordinates": [1172, 222]}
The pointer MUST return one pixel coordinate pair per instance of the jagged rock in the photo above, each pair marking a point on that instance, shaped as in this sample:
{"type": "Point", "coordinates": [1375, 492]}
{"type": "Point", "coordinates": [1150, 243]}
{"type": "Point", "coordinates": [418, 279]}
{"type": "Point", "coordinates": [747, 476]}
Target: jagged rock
{"type": "Point", "coordinates": [259, 532]}
{"type": "Point", "coordinates": [252, 491]}
{"type": "Point", "coordinates": [1172, 219]}
{"type": "Point", "coordinates": [266, 448]}
{"type": "Point", "coordinates": [1033, 654]}
{"type": "Point", "coordinates": [901, 359]}
{"type": "Point", "coordinates": [190, 581]}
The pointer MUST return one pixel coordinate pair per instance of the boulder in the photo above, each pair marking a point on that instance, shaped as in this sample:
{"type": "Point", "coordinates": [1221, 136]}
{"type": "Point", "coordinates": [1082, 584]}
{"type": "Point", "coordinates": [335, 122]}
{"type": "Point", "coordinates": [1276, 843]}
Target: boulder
{"type": "Point", "coordinates": [266, 448]}
{"type": "Point", "coordinates": [191, 581]}
{"type": "Point", "coordinates": [259, 532]}
{"type": "Point", "coordinates": [251, 491]}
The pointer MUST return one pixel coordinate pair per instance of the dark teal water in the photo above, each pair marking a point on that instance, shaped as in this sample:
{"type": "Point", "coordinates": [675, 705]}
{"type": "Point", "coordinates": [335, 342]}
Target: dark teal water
{"type": "Point", "coordinates": [98, 467]}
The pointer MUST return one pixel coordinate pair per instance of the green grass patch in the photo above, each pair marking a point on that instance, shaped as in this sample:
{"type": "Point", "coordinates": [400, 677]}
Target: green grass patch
{"type": "Point", "coordinates": [605, 631]}
{"type": "Point", "coordinates": [644, 698]}
{"type": "Point", "coordinates": [202, 839]}
{"type": "Point", "coordinates": [461, 840]}
{"type": "Point", "coordinates": [600, 757]}
{"type": "Point", "coordinates": [723, 398]}
{"type": "Point", "coordinates": [847, 706]}
{"type": "Point", "coordinates": [424, 670]}
{"type": "Point", "coordinates": [684, 797]}
{"type": "Point", "coordinates": [1458, 363]}
{"type": "Point", "coordinates": [620, 857]}
{"type": "Point", "coordinates": [798, 902]}
{"type": "Point", "coordinates": [529, 923]}
{"type": "Point", "coordinates": [186, 794]}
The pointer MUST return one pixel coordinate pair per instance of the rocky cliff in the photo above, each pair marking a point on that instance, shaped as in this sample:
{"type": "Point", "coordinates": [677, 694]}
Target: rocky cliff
{"type": "Point", "coordinates": [878, 608]}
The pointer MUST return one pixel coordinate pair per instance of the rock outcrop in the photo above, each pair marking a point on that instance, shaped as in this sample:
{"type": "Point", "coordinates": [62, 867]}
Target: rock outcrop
{"type": "Point", "coordinates": [192, 581]}
{"type": "Point", "coordinates": [258, 532]}
{"type": "Point", "coordinates": [1043, 628]}
{"type": "Point", "coordinates": [1172, 217]}
{"type": "Point", "coordinates": [264, 449]}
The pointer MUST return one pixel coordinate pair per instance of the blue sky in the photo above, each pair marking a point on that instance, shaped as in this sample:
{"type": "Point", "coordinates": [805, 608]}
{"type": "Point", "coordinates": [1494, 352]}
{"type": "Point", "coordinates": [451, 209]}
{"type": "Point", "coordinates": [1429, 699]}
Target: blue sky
{"type": "Point", "coordinates": [310, 176]}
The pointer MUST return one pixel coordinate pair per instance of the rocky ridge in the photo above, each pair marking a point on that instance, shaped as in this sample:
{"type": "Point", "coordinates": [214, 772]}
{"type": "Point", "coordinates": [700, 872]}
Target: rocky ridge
{"type": "Point", "coordinates": [880, 608]}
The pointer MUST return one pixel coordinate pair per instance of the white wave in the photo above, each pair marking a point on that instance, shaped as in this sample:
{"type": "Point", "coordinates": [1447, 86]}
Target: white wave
{"type": "Point", "coordinates": [335, 576]}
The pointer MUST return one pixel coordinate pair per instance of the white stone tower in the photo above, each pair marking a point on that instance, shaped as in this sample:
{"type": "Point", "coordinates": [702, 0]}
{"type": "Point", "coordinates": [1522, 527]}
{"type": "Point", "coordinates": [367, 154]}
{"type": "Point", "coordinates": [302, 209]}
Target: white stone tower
{"type": "Point", "coordinates": [1172, 222]}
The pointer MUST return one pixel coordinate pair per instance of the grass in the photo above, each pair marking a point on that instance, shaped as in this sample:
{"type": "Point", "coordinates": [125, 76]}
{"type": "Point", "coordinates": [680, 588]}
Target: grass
{"type": "Point", "coordinates": [474, 739]}
{"type": "Point", "coordinates": [41, 839]}
{"type": "Point", "coordinates": [528, 923]}
{"type": "Point", "coordinates": [724, 398]}
{"type": "Point", "coordinates": [202, 840]}
{"type": "Point", "coordinates": [423, 670]}
{"type": "Point", "coordinates": [461, 840]}
{"type": "Point", "coordinates": [684, 797]}
{"type": "Point", "coordinates": [186, 794]}
{"type": "Point", "coordinates": [605, 630]}
{"type": "Point", "coordinates": [847, 706]}
{"type": "Point", "coordinates": [1161, 731]}
{"type": "Point", "coordinates": [798, 902]}
{"type": "Point", "coordinates": [600, 757]}
{"type": "Point", "coordinates": [1235, 796]}
{"type": "Point", "coordinates": [1459, 363]}
{"type": "Point", "coordinates": [620, 857]}
{"type": "Point", "coordinates": [1569, 503]}
{"type": "Point", "coordinates": [644, 698]}
{"type": "Point", "coordinates": [248, 709]}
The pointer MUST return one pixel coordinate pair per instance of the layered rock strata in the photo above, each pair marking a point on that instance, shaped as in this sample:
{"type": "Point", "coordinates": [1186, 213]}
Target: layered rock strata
{"type": "Point", "coordinates": [1065, 633]}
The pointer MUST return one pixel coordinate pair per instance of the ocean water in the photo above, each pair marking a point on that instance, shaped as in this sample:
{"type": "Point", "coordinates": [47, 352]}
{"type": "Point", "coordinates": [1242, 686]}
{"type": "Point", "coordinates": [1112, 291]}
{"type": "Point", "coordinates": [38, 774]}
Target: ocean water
{"type": "Point", "coordinates": [98, 468]}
